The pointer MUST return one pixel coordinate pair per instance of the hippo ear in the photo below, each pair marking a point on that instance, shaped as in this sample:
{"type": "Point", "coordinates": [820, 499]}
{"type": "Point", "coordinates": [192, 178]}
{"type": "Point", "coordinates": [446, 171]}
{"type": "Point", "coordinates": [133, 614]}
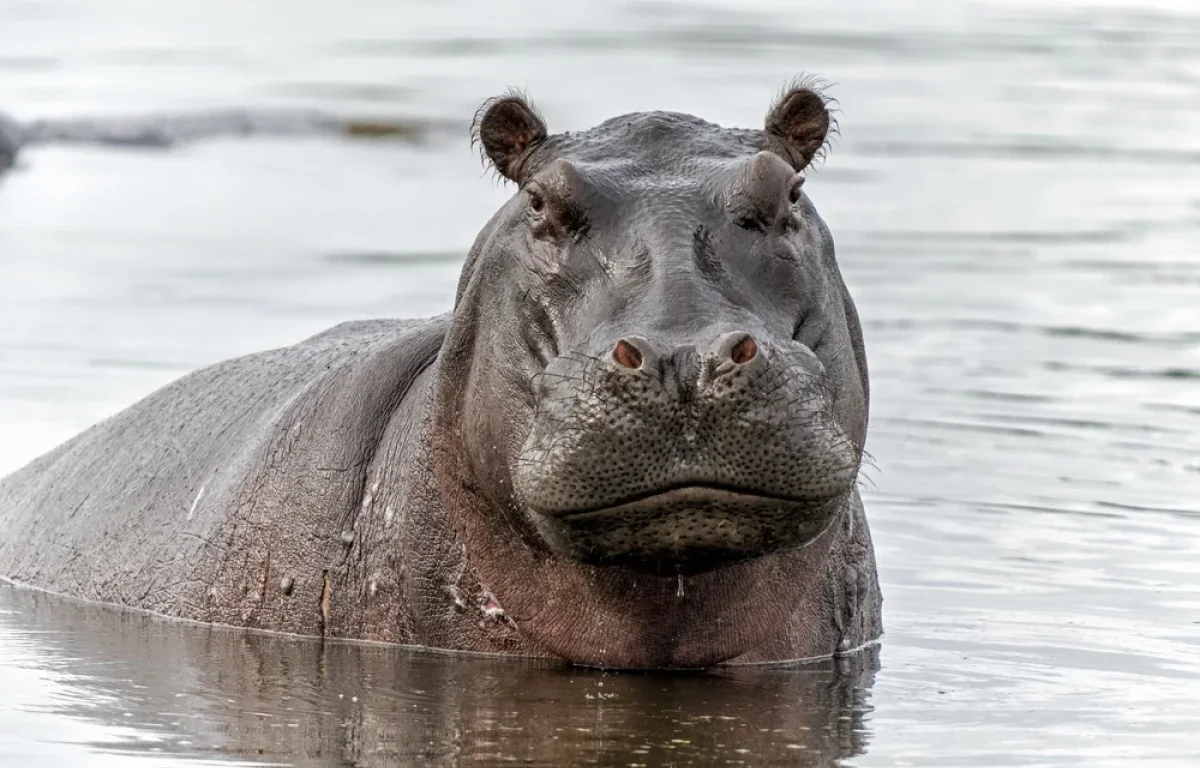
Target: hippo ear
{"type": "Point", "coordinates": [507, 128]}
{"type": "Point", "coordinates": [800, 120]}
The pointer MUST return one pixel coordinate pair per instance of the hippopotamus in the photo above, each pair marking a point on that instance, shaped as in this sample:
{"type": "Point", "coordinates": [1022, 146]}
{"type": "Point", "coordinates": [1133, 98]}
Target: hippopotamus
{"type": "Point", "coordinates": [634, 442]}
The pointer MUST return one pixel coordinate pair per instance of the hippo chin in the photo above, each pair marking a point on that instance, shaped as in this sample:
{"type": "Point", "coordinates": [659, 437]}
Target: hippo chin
{"type": "Point", "coordinates": [633, 443]}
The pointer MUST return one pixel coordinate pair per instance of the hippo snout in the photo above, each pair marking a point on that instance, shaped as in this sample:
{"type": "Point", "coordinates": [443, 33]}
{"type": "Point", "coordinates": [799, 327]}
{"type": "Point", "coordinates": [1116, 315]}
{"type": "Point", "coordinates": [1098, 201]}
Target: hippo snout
{"type": "Point", "coordinates": [685, 456]}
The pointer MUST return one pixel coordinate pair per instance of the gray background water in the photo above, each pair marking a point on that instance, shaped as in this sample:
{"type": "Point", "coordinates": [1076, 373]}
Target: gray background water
{"type": "Point", "coordinates": [1016, 201]}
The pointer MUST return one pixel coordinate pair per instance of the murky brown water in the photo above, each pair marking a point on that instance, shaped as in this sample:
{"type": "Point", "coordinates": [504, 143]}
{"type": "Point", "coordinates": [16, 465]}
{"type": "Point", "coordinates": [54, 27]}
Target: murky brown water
{"type": "Point", "coordinates": [1016, 200]}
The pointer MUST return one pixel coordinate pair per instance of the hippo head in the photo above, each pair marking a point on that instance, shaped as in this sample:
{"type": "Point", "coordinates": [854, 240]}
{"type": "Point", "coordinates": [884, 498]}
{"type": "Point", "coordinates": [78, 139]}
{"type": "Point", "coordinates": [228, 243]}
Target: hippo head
{"type": "Point", "coordinates": [657, 366]}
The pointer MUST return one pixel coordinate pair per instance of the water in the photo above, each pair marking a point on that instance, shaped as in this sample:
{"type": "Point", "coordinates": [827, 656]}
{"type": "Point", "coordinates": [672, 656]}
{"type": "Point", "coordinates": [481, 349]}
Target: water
{"type": "Point", "coordinates": [1016, 200]}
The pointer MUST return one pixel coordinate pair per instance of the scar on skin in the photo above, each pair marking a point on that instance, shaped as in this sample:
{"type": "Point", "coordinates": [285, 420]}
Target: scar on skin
{"type": "Point", "coordinates": [326, 600]}
{"type": "Point", "coordinates": [455, 595]}
{"type": "Point", "coordinates": [452, 588]}
{"type": "Point", "coordinates": [195, 503]}
{"type": "Point", "coordinates": [369, 496]}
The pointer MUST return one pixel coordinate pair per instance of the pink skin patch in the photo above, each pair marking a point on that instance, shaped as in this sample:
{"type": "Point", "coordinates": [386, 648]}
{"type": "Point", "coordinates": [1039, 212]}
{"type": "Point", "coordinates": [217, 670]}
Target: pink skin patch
{"type": "Point", "coordinates": [491, 609]}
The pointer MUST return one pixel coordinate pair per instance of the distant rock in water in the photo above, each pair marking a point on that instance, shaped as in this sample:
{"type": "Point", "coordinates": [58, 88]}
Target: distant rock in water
{"type": "Point", "coordinates": [11, 139]}
{"type": "Point", "coordinates": [166, 131]}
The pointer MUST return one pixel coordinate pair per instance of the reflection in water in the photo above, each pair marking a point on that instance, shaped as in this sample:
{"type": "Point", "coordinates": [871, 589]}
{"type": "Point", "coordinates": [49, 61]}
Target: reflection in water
{"type": "Point", "coordinates": [194, 692]}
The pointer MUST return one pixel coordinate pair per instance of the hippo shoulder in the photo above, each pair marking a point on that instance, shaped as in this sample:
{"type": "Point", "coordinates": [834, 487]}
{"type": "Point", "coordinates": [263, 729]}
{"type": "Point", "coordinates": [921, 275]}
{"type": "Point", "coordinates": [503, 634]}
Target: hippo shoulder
{"type": "Point", "coordinates": [162, 505]}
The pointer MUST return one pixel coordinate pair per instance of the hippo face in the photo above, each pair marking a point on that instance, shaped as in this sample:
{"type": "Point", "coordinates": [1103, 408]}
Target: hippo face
{"type": "Point", "coordinates": [667, 372]}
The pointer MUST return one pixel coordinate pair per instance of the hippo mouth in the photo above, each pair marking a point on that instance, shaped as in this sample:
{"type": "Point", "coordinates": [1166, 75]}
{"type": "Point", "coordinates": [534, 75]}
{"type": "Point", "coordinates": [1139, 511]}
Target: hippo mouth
{"type": "Point", "coordinates": [689, 528]}
{"type": "Point", "coordinates": [702, 493]}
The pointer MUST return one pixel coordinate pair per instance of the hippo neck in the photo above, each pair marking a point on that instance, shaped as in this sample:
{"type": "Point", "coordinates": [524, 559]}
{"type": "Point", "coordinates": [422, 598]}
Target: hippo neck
{"type": "Point", "coordinates": [614, 617]}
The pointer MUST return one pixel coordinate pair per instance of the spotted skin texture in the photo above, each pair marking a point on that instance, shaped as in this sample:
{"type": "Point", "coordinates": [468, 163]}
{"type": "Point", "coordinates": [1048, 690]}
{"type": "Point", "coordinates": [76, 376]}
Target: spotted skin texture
{"type": "Point", "coordinates": [732, 431]}
{"type": "Point", "coordinates": [634, 442]}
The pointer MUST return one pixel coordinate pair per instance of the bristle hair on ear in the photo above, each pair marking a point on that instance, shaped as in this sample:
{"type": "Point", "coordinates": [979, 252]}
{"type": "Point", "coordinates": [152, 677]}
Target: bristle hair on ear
{"type": "Point", "coordinates": [507, 128]}
{"type": "Point", "coordinates": [801, 118]}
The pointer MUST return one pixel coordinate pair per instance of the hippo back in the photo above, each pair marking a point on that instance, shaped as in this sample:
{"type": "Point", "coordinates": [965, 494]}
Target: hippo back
{"type": "Point", "coordinates": [223, 481]}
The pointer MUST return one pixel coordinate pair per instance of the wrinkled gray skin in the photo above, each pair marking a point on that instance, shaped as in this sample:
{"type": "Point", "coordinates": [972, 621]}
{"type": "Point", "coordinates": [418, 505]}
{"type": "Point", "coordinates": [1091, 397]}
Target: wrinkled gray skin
{"type": "Point", "coordinates": [634, 442]}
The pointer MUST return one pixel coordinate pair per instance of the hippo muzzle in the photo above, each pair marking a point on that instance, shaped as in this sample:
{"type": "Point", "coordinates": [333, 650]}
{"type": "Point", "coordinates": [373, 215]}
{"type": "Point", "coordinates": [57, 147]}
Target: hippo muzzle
{"type": "Point", "coordinates": [685, 458]}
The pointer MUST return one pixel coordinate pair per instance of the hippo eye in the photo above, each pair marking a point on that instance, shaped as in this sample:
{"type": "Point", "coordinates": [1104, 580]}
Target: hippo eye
{"type": "Point", "coordinates": [794, 191]}
{"type": "Point", "coordinates": [537, 203]}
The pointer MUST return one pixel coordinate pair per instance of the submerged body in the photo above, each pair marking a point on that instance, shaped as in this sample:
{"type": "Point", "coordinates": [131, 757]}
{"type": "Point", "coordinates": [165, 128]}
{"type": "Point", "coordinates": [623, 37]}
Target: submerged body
{"type": "Point", "coordinates": [634, 442]}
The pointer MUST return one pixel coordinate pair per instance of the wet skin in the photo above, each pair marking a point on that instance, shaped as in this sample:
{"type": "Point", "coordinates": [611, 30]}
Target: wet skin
{"type": "Point", "coordinates": [633, 443]}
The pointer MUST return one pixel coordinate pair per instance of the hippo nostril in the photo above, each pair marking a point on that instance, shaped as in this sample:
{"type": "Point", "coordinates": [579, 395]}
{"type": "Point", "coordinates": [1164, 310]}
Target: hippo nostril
{"type": "Point", "coordinates": [744, 351]}
{"type": "Point", "coordinates": [627, 355]}
{"type": "Point", "coordinates": [733, 351]}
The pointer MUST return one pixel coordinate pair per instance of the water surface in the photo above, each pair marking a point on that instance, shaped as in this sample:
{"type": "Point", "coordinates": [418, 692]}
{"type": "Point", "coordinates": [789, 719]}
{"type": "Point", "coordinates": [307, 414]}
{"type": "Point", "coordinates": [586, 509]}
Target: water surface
{"type": "Point", "coordinates": [1015, 195]}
